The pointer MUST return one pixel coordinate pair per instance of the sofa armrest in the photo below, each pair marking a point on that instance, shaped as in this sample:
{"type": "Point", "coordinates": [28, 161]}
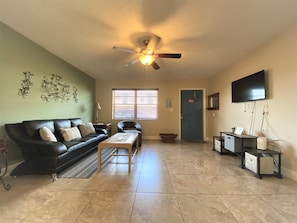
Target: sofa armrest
{"type": "Point", "coordinates": [138, 127]}
{"type": "Point", "coordinates": [33, 145]}
{"type": "Point", "coordinates": [52, 149]}
{"type": "Point", "coordinates": [101, 131]}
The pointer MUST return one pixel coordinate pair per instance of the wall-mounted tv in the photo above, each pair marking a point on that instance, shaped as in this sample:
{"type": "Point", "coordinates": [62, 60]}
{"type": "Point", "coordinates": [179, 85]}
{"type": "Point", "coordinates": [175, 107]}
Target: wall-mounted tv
{"type": "Point", "coordinates": [250, 88]}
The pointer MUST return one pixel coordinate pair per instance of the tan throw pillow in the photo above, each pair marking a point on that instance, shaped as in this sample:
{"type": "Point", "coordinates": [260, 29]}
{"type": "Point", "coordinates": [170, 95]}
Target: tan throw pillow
{"type": "Point", "coordinates": [70, 134]}
{"type": "Point", "coordinates": [86, 129]}
{"type": "Point", "coordinates": [47, 135]}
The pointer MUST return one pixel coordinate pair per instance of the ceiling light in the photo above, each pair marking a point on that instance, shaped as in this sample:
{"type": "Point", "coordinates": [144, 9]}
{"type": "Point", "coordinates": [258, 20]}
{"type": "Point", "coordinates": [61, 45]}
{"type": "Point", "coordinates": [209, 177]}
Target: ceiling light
{"type": "Point", "coordinates": [146, 59]}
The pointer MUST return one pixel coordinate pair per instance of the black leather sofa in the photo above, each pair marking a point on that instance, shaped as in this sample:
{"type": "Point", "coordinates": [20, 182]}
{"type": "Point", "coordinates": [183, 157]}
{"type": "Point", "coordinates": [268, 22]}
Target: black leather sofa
{"type": "Point", "coordinates": [44, 157]}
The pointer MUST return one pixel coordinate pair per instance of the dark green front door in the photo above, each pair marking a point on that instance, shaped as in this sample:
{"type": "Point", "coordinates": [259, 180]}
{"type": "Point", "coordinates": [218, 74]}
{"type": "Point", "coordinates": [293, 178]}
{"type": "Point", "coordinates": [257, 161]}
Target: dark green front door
{"type": "Point", "coordinates": [192, 115]}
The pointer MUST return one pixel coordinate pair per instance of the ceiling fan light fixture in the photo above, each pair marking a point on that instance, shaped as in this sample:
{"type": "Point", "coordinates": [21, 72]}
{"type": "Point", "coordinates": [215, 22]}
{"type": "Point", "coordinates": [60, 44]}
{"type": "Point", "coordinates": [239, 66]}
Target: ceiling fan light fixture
{"type": "Point", "coordinates": [146, 59]}
{"type": "Point", "coordinates": [147, 55]}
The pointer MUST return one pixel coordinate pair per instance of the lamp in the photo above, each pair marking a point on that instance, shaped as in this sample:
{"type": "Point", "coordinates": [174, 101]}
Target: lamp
{"type": "Point", "coordinates": [146, 59]}
{"type": "Point", "coordinates": [98, 107]}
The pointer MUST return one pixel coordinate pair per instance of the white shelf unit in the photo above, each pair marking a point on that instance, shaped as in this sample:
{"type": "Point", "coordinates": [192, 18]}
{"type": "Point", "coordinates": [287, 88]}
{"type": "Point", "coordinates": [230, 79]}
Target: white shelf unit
{"type": "Point", "coordinates": [265, 162]}
{"type": "Point", "coordinates": [262, 162]}
{"type": "Point", "coordinates": [218, 144]}
{"type": "Point", "coordinates": [235, 143]}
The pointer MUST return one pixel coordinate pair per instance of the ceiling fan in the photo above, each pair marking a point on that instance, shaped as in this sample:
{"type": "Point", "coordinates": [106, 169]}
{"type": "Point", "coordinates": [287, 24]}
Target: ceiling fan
{"type": "Point", "coordinates": [147, 54]}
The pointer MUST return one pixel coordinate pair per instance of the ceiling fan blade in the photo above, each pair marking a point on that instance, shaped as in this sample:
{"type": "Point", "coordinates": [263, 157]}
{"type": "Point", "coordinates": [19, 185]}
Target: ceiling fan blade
{"type": "Point", "coordinates": [131, 63]}
{"type": "Point", "coordinates": [155, 65]}
{"type": "Point", "coordinates": [168, 55]}
{"type": "Point", "coordinates": [124, 49]}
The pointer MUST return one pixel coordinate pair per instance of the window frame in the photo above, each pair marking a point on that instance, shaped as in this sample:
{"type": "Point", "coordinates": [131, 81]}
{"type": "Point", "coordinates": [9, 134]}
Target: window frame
{"type": "Point", "coordinates": [136, 105]}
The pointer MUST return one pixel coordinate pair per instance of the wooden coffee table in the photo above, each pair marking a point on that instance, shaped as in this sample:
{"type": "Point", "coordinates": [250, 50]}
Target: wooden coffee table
{"type": "Point", "coordinates": [119, 140]}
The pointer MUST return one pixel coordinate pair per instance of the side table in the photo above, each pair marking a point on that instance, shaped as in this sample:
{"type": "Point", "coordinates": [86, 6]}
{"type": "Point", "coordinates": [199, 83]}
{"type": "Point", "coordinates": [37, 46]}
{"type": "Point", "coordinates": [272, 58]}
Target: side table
{"type": "Point", "coordinates": [103, 126]}
{"type": "Point", "coordinates": [4, 151]}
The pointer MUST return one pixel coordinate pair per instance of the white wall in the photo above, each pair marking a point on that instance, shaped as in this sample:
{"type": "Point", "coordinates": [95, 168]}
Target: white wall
{"type": "Point", "coordinates": [279, 58]}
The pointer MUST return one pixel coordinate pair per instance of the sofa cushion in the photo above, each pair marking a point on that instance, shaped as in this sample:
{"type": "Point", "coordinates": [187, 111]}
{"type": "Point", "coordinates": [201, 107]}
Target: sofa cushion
{"type": "Point", "coordinates": [32, 127]}
{"type": "Point", "coordinates": [75, 145]}
{"type": "Point", "coordinates": [94, 137]}
{"type": "Point", "coordinates": [61, 123]}
{"type": "Point", "coordinates": [75, 122]}
{"type": "Point", "coordinates": [47, 135]}
{"type": "Point", "coordinates": [86, 129]}
{"type": "Point", "coordinates": [70, 134]}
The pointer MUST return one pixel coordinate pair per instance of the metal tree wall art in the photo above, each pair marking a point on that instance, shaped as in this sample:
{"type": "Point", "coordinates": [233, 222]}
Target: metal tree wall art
{"type": "Point", "coordinates": [56, 90]}
{"type": "Point", "coordinates": [74, 94]}
{"type": "Point", "coordinates": [26, 83]}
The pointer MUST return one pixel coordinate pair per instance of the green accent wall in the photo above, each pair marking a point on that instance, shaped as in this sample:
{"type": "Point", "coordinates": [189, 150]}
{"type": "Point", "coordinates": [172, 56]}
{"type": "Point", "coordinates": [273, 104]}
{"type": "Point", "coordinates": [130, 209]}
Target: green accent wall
{"type": "Point", "coordinates": [19, 54]}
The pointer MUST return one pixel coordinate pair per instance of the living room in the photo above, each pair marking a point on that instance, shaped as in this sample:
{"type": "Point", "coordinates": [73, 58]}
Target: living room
{"type": "Point", "coordinates": [178, 182]}
{"type": "Point", "coordinates": [276, 56]}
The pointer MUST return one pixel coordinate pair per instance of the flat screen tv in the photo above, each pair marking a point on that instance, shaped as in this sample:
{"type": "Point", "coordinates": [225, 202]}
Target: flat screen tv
{"type": "Point", "coordinates": [250, 88]}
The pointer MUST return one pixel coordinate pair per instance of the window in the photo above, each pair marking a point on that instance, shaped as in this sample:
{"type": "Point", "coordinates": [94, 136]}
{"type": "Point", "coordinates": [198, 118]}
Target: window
{"type": "Point", "coordinates": [136, 104]}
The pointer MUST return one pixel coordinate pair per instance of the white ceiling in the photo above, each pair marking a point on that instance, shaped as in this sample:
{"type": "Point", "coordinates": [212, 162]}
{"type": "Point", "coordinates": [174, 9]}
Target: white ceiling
{"type": "Point", "coordinates": [210, 34]}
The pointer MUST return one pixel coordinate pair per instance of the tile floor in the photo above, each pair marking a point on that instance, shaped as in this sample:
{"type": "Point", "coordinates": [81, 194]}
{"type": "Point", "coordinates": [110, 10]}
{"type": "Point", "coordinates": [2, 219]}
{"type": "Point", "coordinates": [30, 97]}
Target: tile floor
{"type": "Point", "coordinates": [181, 182]}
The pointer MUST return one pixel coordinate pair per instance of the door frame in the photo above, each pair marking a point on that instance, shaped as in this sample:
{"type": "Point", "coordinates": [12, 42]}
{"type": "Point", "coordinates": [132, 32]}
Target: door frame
{"type": "Point", "coordinates": [203, 107]}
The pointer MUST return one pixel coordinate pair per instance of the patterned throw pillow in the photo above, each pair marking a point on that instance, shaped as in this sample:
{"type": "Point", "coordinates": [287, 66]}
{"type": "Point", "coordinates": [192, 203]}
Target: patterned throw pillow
{"type": "Point", "coordinates": [47, 135]}
{"type": "Point", "coordinates": [70, 134]}
{"type": "Point", "coordinates": [86, 129]}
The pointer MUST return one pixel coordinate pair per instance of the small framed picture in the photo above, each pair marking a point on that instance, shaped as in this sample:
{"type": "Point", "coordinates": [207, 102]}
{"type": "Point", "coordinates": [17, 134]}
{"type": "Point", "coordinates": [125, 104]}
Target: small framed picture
{"type": "Point", "coordinates": [238, 130]}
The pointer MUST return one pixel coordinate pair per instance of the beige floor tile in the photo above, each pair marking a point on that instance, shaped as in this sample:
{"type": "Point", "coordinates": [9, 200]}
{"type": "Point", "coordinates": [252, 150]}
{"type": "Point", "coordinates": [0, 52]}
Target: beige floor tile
{"type": "Point", "coordinates": [193, 184]}
{"type": "Point", "coordinates": [108, 207]}
{"type": "Point", "coordinates": [90, 184]}
{"type": "Point", "coordinates": [120, 182]}
{"type": "Point", "coordinates": [12, 220]}
{"type": "Point", "coordinates": [154, 167]}
{"type": "Point", "coordinates": [251, 208]}
{"type": "Point", "coordinates": [155, 183]}
{"type": "Point", "coordinates": [154, 156]}
{"type": "Point", "coordinates": [156, 208]}
{"type": "Point", "coordinates": [27, 183]}
{"type": "Point", "coordinates": [286, 184]}
{"type": "Point", "coordinates": [230, 185]}
{"type": "Point", "coordinates": [265, 186]}
{"type": "Point", "coordinates": [184, 158]}
{"type": "Point", "coordinates": [229, 169]}
{"type": "Point", "coordinates": [286, 204]}
{"type": "Point", "coordinates": [169, 182]}
{"type": "Point", "coordinates": [185, 168]}
{"type": "Point", "coordinates": [64, 206]}
{"type": "Point", "coordinates": [204, 208]}
{"type": "Point", "coordinates": [17, 204]}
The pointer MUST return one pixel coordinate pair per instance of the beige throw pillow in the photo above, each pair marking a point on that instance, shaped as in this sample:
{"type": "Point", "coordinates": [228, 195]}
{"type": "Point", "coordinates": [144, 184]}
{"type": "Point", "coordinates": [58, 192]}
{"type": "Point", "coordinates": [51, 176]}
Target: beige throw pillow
{"type": "Point", "coordinates": [47, 135]}
{"type": "Point", "coordinates": [70, 134]}
{"type": "Point", "coordinates": [86, 129]}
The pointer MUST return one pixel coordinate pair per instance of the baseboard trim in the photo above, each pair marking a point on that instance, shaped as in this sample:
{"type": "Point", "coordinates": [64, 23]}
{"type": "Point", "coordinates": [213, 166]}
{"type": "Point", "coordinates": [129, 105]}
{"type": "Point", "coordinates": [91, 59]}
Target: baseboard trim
{"type": "Point", "coordinates": [289, 173]}
{"type": "Point", "coordinates": [151, 137]}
